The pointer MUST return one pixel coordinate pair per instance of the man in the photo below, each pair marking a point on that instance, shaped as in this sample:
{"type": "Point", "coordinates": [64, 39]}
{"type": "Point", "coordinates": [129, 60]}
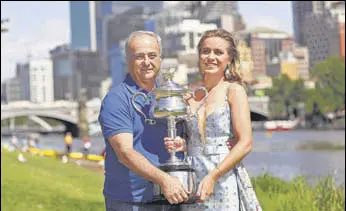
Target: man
{"type": "Point", "coordinates": [134, 149]}
{"type": "Point", "coordinates": [68, 142]}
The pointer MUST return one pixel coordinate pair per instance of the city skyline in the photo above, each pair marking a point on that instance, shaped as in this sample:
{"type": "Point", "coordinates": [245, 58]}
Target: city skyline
{"type": "Point", "coordinates": [35, 28]}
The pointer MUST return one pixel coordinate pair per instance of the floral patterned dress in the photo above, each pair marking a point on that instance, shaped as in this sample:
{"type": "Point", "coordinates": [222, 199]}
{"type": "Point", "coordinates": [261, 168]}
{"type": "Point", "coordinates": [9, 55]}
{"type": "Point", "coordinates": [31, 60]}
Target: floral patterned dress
{"type": "Point", "coordinates": [233, 191]}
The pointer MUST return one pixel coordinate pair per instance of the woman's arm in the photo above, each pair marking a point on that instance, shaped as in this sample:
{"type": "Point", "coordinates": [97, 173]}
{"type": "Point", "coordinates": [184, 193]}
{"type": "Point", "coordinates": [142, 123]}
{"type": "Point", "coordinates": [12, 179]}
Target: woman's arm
{"type": "Point", "coordinates": [240, 110]}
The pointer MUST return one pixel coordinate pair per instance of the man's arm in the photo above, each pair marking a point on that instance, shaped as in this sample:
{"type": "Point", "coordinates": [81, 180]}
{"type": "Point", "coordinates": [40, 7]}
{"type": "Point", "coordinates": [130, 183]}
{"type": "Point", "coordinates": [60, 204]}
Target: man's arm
{"type": "Point", "coordinates": [122, 144]}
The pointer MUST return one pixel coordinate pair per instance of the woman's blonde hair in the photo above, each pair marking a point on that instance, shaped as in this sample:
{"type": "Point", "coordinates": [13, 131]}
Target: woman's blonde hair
{"type": "Point", "coordinates": [231, 72]}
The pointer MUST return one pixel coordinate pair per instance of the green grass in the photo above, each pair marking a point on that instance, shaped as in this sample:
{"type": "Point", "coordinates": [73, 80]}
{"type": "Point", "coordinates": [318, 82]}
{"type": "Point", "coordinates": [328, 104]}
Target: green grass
{"type": "Point", "coordinates": [47, 184]}
{"type": "Point", "coordinates": [277, 195]}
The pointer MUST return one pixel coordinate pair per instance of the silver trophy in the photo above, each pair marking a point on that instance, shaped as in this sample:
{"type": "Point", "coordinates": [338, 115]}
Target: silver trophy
{"type": "Point", "coordinates": [170, 104]}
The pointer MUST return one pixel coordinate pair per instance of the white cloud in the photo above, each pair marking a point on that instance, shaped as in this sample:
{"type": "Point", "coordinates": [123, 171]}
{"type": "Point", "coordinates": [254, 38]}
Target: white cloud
{"type": "Point", "coordinates": [37, 41]}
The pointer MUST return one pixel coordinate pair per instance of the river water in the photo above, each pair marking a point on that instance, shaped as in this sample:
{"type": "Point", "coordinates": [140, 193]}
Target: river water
{"type": "Point", "coordinates": [274, 153]}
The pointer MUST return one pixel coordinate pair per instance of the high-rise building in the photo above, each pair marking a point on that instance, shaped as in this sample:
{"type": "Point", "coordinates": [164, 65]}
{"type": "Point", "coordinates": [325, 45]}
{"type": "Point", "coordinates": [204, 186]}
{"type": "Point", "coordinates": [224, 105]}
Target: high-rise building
{"type": "Point", "coordinates": [23, 75]}
{"type": "Point", "coordinates": [322, 37]}
{"type": "Point", "coordinates": [41, 81]}
{"type": "Point", "coordinates": [299, 10]}
{"type": "Point", "coordinates": [86, 23]}
{"type": "Point", "coordinates": [214, 9]}
{"type": "Point", "coordinates": [75, 70]}
{"type": "Point", "coordinates": [319, 25]}
{"type": "Point", "coordinates": [120, 7]}
{"type": "Point", "coordinates": [224, 14]}
{"type": "Point", "coordinates": [11, 90]}
{"type": "Point", "coordinates": [36, 80]}
{"type": "Point", "coordinates": [62, 72]}
{"type": "Point", "coordinates": [266, 44]}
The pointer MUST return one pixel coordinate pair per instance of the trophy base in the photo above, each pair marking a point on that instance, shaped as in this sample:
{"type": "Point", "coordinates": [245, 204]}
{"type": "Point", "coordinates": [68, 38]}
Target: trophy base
{"type": "Point", "coordinates": [161, 200]}
{"type": "Point", "coordinates": [186, 175]}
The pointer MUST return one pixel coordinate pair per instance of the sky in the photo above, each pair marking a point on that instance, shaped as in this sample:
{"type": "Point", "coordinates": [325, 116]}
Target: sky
{"type": "Point", "coordinates": [35, 27]}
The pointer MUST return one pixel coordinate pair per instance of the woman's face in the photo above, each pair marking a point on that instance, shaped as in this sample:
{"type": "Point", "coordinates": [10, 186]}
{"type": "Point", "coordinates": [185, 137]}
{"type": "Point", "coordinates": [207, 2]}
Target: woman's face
{"type": "Point", "coordinates": [214, 56]}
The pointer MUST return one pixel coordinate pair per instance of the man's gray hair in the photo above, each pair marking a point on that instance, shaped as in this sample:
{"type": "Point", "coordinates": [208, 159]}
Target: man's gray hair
{"type": "Point", "coordinates": [138, 33]}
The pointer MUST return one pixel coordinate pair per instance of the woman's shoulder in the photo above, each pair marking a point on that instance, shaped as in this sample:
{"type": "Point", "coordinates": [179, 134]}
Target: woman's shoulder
{"type": "Point", "coordinates": [235, 87]}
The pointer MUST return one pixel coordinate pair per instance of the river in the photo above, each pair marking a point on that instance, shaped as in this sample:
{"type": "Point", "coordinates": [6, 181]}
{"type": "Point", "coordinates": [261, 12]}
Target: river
{"type": "Point", "coordinates": [274, 153]}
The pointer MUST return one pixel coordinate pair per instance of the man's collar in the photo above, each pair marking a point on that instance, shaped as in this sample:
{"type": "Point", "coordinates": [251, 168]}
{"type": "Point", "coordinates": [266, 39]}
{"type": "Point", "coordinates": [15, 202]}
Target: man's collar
{"type": "Point", "coordinates": [133, 87]}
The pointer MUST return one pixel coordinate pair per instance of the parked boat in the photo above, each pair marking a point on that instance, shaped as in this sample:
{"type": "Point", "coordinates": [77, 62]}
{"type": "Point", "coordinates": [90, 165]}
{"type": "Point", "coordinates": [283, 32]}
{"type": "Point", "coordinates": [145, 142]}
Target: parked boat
{"type": "Point", "coordinates": [281, 125]}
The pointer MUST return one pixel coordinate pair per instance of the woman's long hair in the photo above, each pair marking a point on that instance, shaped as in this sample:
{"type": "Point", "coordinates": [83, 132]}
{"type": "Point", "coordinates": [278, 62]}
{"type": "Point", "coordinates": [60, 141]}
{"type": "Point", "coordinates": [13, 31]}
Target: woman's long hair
{"type": "Point", "coordinates": [232, 73]}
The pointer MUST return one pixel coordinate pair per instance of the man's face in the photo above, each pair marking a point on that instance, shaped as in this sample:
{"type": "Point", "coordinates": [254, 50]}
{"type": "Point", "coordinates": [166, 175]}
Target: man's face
{"type": "Point", "coordinates": [144, 60]}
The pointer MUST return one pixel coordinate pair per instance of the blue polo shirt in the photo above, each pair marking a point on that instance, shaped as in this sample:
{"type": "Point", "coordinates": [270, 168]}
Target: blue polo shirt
{"type": "Point", "coordinates": [117, 115]}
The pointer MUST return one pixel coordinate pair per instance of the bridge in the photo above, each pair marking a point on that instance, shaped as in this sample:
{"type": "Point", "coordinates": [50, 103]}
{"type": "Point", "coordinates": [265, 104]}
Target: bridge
{"type": "Point", "coordinates": [67, 112]}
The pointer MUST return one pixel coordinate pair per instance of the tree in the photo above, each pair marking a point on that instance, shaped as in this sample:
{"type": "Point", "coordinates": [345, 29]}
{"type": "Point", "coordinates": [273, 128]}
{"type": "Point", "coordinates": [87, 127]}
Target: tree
{"type": "Point", "coordinates": [3, 21]}
{"type": "Point", "coordinates": [329, 77]}
{"type": "Point", "coordinates": [284, 94]}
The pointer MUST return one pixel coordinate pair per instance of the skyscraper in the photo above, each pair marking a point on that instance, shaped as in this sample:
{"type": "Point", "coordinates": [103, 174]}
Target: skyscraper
{"type": "Point", "coordinates": [317, 25]}
{"type": "Point", "coordinates": [224, 14]}
{"type": "Point", "coordinates": [86, 23]}
{"type": "Point", "coordinates": [214, 9]}
{"type": "Point", "coordinates": [300, 9]}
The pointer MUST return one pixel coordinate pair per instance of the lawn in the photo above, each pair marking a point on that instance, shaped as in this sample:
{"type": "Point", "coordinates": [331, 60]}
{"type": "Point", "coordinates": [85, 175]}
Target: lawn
{"type": "Point", "coordinates": [44, 183]}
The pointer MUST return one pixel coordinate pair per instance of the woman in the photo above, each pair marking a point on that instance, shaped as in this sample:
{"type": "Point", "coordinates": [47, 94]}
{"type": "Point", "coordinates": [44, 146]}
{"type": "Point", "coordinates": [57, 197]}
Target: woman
{"type": "Point", "coordinates": [223, 183]}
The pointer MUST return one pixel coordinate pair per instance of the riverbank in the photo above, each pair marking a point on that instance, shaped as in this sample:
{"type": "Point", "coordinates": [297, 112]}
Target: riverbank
{"type": "Point", "coordinates": [338, 124]}
{"type": "Point", "coordinates": [44, 183]}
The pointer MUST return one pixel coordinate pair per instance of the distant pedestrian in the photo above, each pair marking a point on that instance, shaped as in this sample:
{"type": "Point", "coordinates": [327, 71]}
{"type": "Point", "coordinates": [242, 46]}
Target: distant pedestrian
{"type": "Point", "coordinates": [68, 142]}
{"type": "Point", "coordinates": [87, 145]}
{"type": "Point", "coordinates": [14, 143]}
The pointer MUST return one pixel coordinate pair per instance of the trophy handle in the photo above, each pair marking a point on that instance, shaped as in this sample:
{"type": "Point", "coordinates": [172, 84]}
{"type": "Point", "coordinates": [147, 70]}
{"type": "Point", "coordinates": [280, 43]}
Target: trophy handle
{"type": "Point", "coordinates": [147, 120]}
{"type": "Point", "coordinates": [200, 88]}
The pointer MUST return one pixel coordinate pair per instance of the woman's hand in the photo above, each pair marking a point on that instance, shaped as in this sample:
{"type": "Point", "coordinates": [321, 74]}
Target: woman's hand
{"type": "Point", "coordinates": [179, 144]}
{"type": "Point", "coordinates": [206, 188]}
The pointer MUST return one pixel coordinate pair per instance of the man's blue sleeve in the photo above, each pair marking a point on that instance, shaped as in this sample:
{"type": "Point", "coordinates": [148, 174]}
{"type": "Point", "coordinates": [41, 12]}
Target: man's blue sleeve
{"type": "Point", "coordinates": [115, 116]}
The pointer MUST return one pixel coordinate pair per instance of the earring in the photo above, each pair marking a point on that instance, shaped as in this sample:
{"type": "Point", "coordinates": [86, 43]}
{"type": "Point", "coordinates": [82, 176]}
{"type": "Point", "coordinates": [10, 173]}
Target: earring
{"type": "Point", "coordinates": [228, 75]}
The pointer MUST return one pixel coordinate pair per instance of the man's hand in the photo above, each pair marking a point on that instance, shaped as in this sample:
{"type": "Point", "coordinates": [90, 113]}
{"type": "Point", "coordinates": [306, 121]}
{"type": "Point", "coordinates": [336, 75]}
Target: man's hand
{"type": "Point", "coordinates": [174, 191]}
